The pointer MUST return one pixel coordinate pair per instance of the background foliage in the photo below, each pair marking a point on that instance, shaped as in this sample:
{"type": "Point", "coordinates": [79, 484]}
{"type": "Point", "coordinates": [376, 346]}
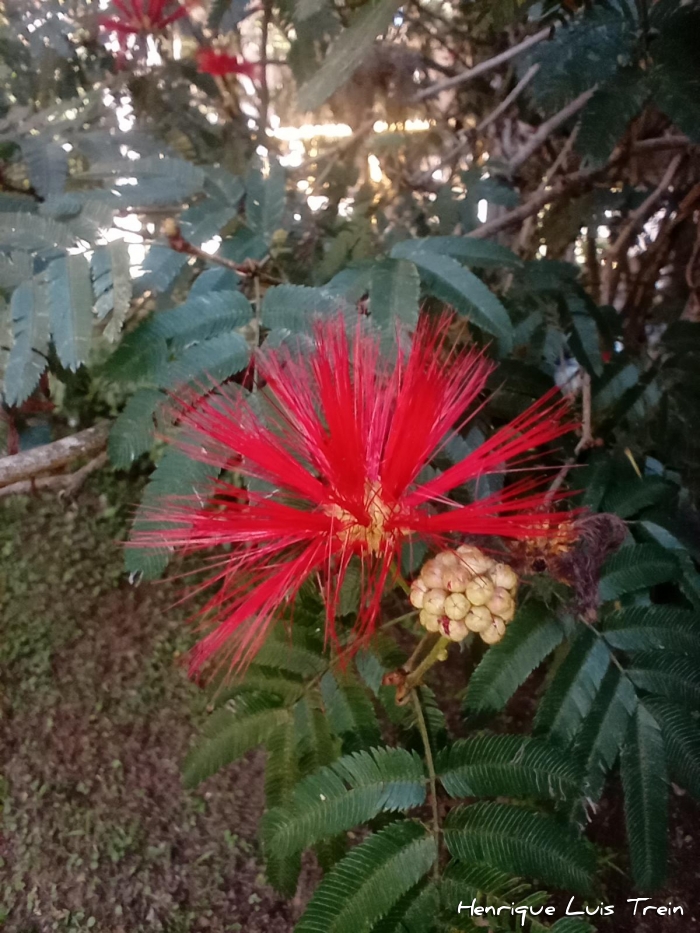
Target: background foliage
{"type": "Point", "coordinates": [531, 166]}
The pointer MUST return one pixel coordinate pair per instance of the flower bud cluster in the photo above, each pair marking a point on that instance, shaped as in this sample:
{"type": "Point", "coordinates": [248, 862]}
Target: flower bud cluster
{"type": "Point", "coordinates": [465, 591]}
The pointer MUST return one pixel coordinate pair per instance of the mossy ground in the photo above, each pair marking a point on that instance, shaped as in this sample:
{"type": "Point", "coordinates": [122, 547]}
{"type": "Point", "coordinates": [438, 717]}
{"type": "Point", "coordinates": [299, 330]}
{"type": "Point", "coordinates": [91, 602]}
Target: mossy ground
{"type": "Point", "coordinates": [96, 715]}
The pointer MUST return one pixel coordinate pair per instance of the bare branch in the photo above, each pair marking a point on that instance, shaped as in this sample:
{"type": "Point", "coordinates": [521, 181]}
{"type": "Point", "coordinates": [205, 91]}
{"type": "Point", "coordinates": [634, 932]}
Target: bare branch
{"type": "Point", "coordinates": [482, 67]}
{"type": "Point", "coordinates": [249, 269]}
{"type": "Point", "coordinates": [51, 457]}
{"type": "Point", "coordinates": [264, 89]}
{"type": "Point", "coordinates": [662, 142]}
{"type": "Point", "coordinates": [559, 162]}
{"type": "Point", "coordinates": [566, 184]}
{"type": "Point", "coordinates": [67, 483]}
{"type": "Point", "coordinates": [610, 274]}
{"type": "Point", "coordinates": [587, 440]}
{"type": "Point", "coordinates": [548, 127]}
{"type": "Point", "coordinates": [507, 101]}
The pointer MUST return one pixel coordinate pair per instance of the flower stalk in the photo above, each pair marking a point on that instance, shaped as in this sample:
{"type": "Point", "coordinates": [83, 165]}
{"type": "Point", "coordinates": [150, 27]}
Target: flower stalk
{"type": "Point", "coordinates": [432, 776]}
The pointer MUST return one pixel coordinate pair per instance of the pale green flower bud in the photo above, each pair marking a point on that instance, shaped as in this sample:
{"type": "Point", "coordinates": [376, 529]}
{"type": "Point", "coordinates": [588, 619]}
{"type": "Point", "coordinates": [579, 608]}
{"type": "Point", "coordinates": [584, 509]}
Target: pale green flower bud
{"type": "Point", "coordinates": [479, 591]}
{"type": "Point", "coordinates": [503, 575]}
{"type": "Point", "coordinates": [418, 591]}
{"type": "Point", "coordinates": [429, 621]}
{"type": "Point", "coordinates": [457, 630]}
{"type": "Point", "coordinates": [434, 601]}
{"type": "Point", "coordinates": [478, 619]}
{"type": "Point", "coordinates": [431, 575]}
{"type": "Point", "coordinates": [495, 632]}
{"type": "Point", "coordinates": [501, 604]}
{"type": "Point", "coordinates": [455, 580]}
{"type": "Point", "coordinates": [456, 606]}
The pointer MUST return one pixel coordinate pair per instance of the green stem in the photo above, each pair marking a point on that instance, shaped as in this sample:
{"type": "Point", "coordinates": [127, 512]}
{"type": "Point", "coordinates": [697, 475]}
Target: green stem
{"type": "Point", "coordinates": [398, 620]}
{"type": "Point", "coordinates": [400, 578]}
{"type": "Point", "coordinates": [432, 777]}
{"type": "Point", "coordinates": [418, 651]}
{"type": "Point", "coordinates": [415, 677]}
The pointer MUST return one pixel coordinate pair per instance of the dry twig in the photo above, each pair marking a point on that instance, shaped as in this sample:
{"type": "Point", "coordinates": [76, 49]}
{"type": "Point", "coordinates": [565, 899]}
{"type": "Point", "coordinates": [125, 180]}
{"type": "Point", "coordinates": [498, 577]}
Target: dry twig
{"type": "Point", "coordinates": [64, 483]}
{"type": "Point", "coordinates": [545, 130]}
{"type": "Point", "coordinates": [51, 457]}
{"type": "Point", "coordinates": [250, 269]}
{"type": "Point", "coordinates": [482, 67]}
{"type": "Point", "coordinates": [611, 274]}
{"type": "Point", "coordinates": [507, 101]}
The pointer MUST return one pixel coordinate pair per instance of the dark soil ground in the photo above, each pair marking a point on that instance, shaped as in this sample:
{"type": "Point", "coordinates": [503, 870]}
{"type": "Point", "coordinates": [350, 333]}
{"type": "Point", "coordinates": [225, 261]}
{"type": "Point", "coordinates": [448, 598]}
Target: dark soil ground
{"type": "Point", "coordinates": [96, 716]}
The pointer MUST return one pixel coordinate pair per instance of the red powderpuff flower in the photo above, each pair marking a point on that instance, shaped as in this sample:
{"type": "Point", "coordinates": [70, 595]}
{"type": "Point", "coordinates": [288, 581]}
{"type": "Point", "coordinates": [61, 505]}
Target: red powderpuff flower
{"type": "Point", "coordinates": [219, 63]}
{"type": "Point", "coordinates": [142, 16]}
{"type": "Point", "coordinates": [344, 440]}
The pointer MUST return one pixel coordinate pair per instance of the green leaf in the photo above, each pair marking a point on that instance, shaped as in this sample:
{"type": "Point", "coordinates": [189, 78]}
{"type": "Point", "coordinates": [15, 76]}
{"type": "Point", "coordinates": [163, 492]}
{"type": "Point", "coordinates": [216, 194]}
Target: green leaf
{"type": "Point", "coordinates": [414, 913]}
{"type": "Point", "coordinates": [175, 476]}
{"type": "Point", "coordinates": [447, 280]}
{"type": "Point", "coordinates": [667, 674]}
{"type": "Point", "coordinates": [644, 781]}
{"type": "Point", "coordinates": [675, 81]}
{"type": "Point", "coordinates": [573, 687]}
{"type": "Point", "coordinates": [617, 380]}
{"type": "Point", "coordinates": [30, 345]}
{"type": "Point", "coordinates": [631, 496]}
{"type": "Point", "coordinates": [435, 722]}
{"type": "Point", "coordinates": [598, 742]}
{"type": "Point", "coordinates": [644, 628]}
{"type": "Point", "coordinates": [47, 163]}
{"type": "Point", "coordinates": [259, 679]}
{"type": "Point", "coordinates": [483, 254]}
{"type": "Point", "coordinates": [522, 842]}
{"type": "Point", "coordinates": [200, 318]}
{"type": "Point", "coordinates": [595, 480]}
{"type": "Point", "coordinates": [31, 232]}
{"type": "Point", "coordinates": [297, 653]}
{"type": "Point", "coordinates": [207, 363]}
{"type": "Point", "coordinates": [347, 53]}
{"type": "Point", "coordinates": [584, 338]}
{"type": "Point", "coordinates": [585, 52]}
{"type": "Point", "coordinates": [112, 283]}
{"type": "Point", "coordinates": [370, 880]}
{"type": "Point", "coordinates": [636, 568]}
{"type": "Point", "coordinates": [140, 357]}
{"type": "Point", "coordinates": [690, 578]}
{"type": "Point", "coordinates": [265, 198]}
{"type": "Point", "coordinates": [133, 433]}
{"type": "Point", "coordinates": [214, 280]}
{"type": "Point", "coordinates": [295, 307]}
{"type": "Point", "coordinates": [69, 291]}
{"type": "Point", "coordinates": [207, 218]}
{"type": "Point", "coordinates": [350, 792]}
{"type": "Point", "coordinates": [506, 765]}
{"type": "Point", "coordinates": [15, 268]}
{"type": "Point", "coordinates": [350, 589]}
{"type": "Point", "coordinates": [281, 775]}
{"type": "Point", "coordinates": [17, 203]}
{"type": "Point", "coordinates": [394, 292]}
{"type": "Point", "coordinates": [465, 881]}
{"type": "Point", "coordinates": [350, 711]}
{"type": "Point", "coordinates": [161, 267]}
{"type": "Point", "coordinates": [317, 747]}
{"type": "Point", "coordinates": [303, 9]}
{"type": "Point", "coordinates": [572, 925]}
{"type": "Point", "coordinates": [608, 113]}
{"type": "Point", "coordinates": [229, 734]}
{"type": "Point", "coordinates": [529, 639]}
{"type": "Point", "coordinates": [150, 180]}
{"type": "Point", "coordinates": [681, 735]}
